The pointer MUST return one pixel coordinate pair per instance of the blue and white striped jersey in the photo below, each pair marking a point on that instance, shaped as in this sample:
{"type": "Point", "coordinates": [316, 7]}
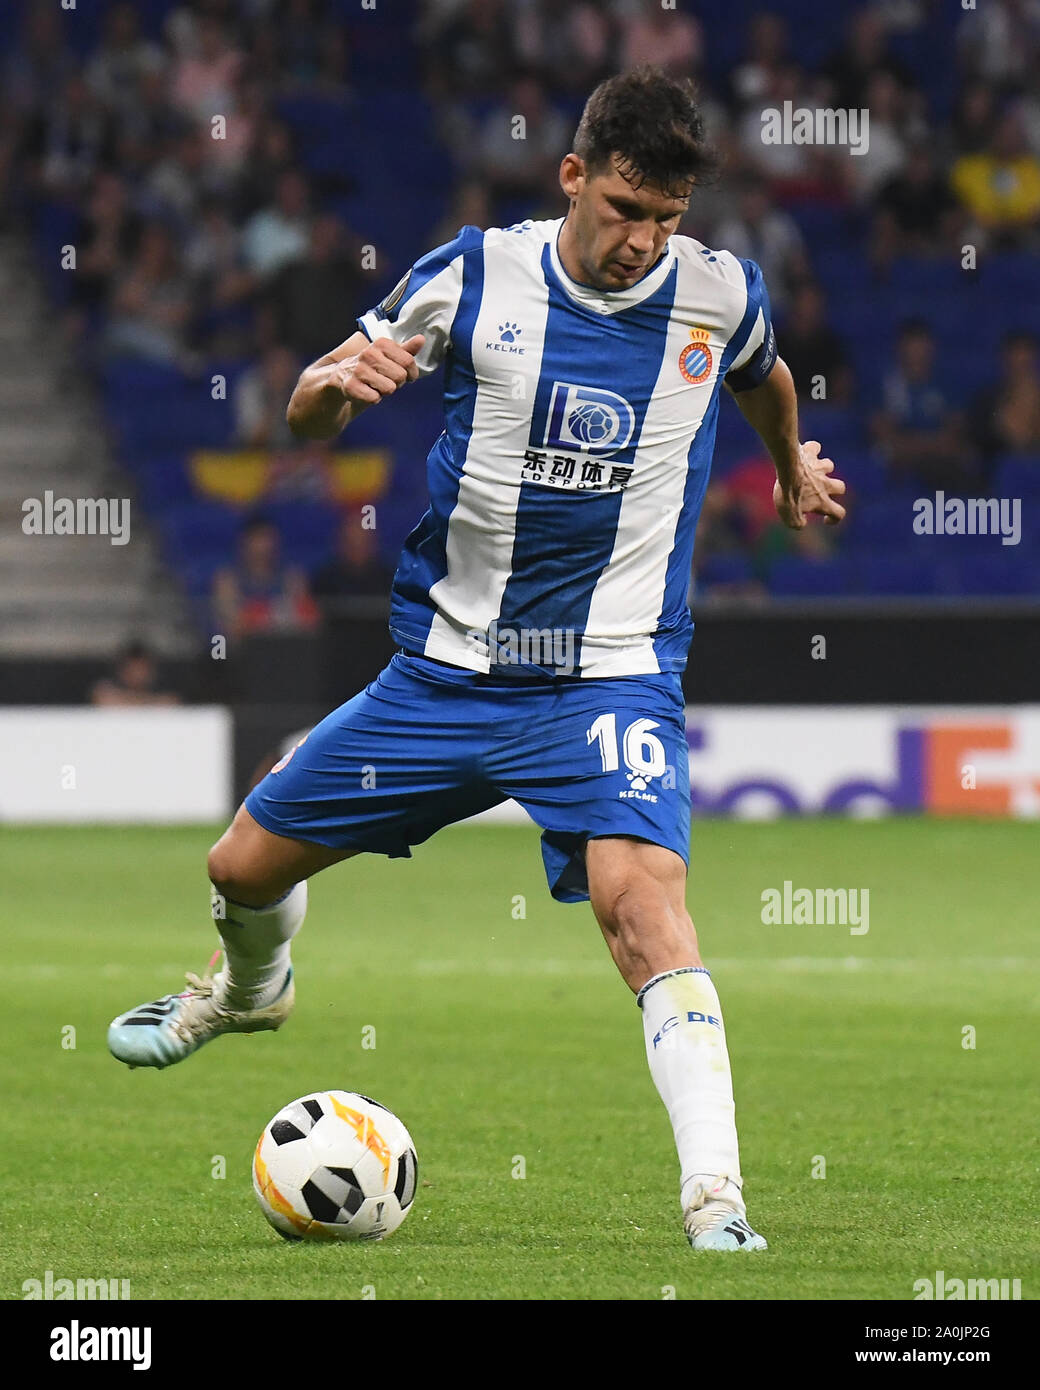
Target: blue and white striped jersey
{"type": "Point", "coordinates": [579, 428]}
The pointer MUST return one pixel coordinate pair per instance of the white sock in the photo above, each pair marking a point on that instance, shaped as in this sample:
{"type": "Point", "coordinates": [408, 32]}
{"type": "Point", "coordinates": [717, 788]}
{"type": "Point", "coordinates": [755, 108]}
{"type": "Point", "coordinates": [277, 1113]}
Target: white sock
{"type": "Point", "coordinates": [686, 1050]}
{"type": "Point", "coordinates": [256, 945]}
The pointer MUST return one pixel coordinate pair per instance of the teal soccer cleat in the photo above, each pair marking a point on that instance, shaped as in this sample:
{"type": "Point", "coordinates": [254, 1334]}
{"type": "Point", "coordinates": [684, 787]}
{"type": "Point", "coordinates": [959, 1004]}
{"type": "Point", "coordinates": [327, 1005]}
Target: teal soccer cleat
{"type": "Point", "coordinates": [169, 1029]}
{"type": "Point", "coordinates": [716, 1219]}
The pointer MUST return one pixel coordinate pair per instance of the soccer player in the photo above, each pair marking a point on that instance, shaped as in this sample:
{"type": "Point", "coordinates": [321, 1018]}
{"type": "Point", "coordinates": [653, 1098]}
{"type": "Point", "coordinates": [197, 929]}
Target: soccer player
{"type": "Point", "coordinates": [540, 604]}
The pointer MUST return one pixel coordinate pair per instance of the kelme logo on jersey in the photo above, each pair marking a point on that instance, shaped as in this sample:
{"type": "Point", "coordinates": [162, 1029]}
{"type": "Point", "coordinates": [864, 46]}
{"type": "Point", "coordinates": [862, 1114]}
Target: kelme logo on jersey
{"type": "Point", "coordinates": [588, 418]}
{"type": "Point", "coordinates": [695, 360]}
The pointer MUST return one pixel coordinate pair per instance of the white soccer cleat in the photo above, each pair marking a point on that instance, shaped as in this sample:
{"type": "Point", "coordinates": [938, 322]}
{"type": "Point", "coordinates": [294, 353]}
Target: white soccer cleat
{"type": "Point", "coordinates": [167, 1030]}
{"type": "Point", "coordinates": [717, 1220]}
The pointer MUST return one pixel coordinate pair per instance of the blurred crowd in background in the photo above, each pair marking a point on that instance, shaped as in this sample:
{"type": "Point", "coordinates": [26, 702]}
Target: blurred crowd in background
{"type": "Point", "coordinates": [242, 178]}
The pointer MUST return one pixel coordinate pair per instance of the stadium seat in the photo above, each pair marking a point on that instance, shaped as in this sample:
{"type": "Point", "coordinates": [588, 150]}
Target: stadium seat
{"type": "Point", "coordinates": [1002, 571]}
{"type": "Point", "coordinates": [883, 521]}
{"type": "Point", "coordinates": [795, 576]}
{"type": "Point", "coordinates": [195, 529]}
{"type": "Point", "coordinates": [722, 570]}
{"type": "Point", "coordinates": [1011, 274]}
{"type": "Point", "coordinates": [862, 473]}
{"type": "Point", "coordinates": [163, 483]}
{"type": "Point", "coordinates": [308, 531]}
{"type": "Point", "coordinates": [1017, 475]}
{"type": "Point", "coordinates": [896, 573]}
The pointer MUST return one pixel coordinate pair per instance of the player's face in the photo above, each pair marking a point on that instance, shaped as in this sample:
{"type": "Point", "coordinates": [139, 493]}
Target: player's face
{"type": "Point", "coordinates": [617, 232]}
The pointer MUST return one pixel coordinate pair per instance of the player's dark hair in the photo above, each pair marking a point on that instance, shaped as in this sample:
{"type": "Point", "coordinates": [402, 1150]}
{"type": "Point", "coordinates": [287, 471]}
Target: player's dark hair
{"type": "Point", "coordinates": [652, 123]}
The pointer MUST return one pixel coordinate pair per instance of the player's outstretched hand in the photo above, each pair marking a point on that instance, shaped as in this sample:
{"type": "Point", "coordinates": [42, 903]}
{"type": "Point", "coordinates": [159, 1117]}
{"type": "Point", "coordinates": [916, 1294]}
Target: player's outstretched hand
{"type": "Point", "coordinates": [377, 370]}
{"type": "Point", "coordinates": [812, 489]}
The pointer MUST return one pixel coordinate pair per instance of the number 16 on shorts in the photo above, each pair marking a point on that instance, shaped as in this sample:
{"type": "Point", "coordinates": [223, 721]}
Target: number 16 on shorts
{"type": "Point", "coordinates": [642, 750]}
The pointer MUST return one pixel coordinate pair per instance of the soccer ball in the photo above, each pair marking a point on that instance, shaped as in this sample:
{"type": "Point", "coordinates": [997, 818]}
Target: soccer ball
{"type": "Point", "coordinates": [593, 423]}
{"type": "Point", "coordinates": [335, 1165]}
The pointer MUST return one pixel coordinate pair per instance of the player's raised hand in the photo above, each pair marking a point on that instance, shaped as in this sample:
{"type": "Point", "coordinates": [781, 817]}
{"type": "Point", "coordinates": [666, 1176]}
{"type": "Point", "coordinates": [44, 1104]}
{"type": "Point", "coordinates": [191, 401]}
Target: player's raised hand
{"type": "Point", "coordinates": [811, 489]}
{"type": "Point", "coordinates": [377, 370]}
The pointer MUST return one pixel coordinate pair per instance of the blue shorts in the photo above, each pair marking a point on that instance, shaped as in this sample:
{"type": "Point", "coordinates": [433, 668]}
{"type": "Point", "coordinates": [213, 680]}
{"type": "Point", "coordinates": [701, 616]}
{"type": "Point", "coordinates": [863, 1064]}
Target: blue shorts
{"type": "Point", "coordinates": [428, 744]}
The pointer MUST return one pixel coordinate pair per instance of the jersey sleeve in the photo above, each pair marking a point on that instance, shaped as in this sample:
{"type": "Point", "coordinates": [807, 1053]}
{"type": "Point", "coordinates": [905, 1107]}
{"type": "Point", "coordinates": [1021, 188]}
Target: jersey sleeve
{"type": "Point", "coordinates": [754, 342]}
{"type": "Point", "coordinates": [425, 300]}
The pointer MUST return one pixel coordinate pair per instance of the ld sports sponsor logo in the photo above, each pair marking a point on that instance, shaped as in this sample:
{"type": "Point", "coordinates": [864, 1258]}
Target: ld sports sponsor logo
{"type": "Point", "coordinates": [758, 764]}
{"type": "Point", "coordinates": [588, 418]}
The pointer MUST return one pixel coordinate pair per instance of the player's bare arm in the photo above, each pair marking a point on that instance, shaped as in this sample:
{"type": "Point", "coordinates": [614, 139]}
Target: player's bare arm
{"type": "Point", "coordinates": [339, 386]}
{"type": "Point", "coordinates": [803, 478]}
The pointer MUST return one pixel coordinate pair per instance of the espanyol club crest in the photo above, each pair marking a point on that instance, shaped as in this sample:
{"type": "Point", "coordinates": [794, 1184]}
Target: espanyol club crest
{"type": "Point", "coordinates": [695, 361]}
{"type": "Point", "coordinates": [588, 418]}
{"type": "Point", "coordinates": [286, 758]}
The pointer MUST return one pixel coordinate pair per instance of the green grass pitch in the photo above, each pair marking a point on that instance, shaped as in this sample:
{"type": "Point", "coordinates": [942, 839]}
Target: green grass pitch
{"type": "Point", "coordinates": [505, 1039]}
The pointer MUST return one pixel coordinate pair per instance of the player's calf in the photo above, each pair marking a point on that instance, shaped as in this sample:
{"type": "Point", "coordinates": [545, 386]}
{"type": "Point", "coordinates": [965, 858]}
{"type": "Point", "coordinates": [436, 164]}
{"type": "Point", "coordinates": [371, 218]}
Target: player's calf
{"type": "Point", "coordinates": [638, 894]}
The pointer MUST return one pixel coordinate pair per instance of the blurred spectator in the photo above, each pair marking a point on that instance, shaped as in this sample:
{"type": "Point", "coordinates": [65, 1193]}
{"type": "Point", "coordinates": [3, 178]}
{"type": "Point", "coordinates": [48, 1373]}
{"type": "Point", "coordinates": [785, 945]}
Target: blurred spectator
{"type": "Point", "coordinates": [739, 517]}
{"type": "Point", "coordinates": [916, 214]}
{"type": "Point", "coordinates": [722, 528]}
{"type": "Point", "coordinates": [1029, 108]}
{"type": "Point", "coordinates": [515, 167]}
{"type": "Point", "coordinates": [312, 48]}
{"type": "Point", "coordinates": [134, 681]}
{"type": "Point", "coordinates": [181, 26]}
{"type": "Point", "coordinates": [768, 44]}
{"type": "Point", "coordinates": [278, 234]}
{"type": "Point", "coordinates": [109, 237]}
{"type": "Point", "coordinates": [356, 570]}
{"type": "Point", "coordinates": [1001, 188]}
{"type": "Point", "coordinates": [177, 187]}
{"type": "Point", "coordinates": [815, 354]}
{"type": "Point", "coordinates": [123, 59]}
{"type": "Point", "coordinates": [150, 303]}
{"type": "Point", "coordinates": [214, 260]}
{"type": "Point", "coordinates": [974, 118]}
{"type": "Point", "coordinates": [917, 428]}
{"type": "Point", "coordinates": [70, 139]}
{"type": "Point", "coordinates": [667, 39]}
{"type": "Point", "coordinates": [40, 63]}
{"type": "Point", "coordinates": [202, 83]}
{"type": "Point", "coordinates": [469, 47]}
{"type": "Point", "coordinates": [862, 56]}
{"type": "Point", "coordinates": [315, 299]}
{"type": "Point", "coordinates": [571, 45]}
{"type": "Point", "coordinates": [260, 593]}
{"type": "Point", "coordinates": [260, 401]}
{"type": "Point", "coordinates": [470, 207]}
{"type": "Point", "coordinates": [270, 156]}
{"type": "Point", "coordinates": [1000, 41]}
{"type": "Point", "coordinates": [885, 152]}
{"type": "Point", "coordinates": [798, 169]}
{"type": "Point", "coordinates": [148, 122]}
{"type": "Point", "coordinates": [264, 53]}
{"type": "Point", "coordinates": [228, 155]}
{"type": "Point", "coordinates": [101, 141]}
{"type": "Point", "coordinates": [764, 233]}
{"type": "Point", "coordinates": [1006, 416]}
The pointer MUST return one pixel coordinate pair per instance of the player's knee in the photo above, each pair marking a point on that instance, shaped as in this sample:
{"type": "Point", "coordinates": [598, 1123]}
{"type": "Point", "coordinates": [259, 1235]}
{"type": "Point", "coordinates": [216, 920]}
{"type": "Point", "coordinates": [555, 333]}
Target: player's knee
{"type": "Point", "coordinates": [220, 867]}
{"type": "Point", "coordinates": [231, 876]}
